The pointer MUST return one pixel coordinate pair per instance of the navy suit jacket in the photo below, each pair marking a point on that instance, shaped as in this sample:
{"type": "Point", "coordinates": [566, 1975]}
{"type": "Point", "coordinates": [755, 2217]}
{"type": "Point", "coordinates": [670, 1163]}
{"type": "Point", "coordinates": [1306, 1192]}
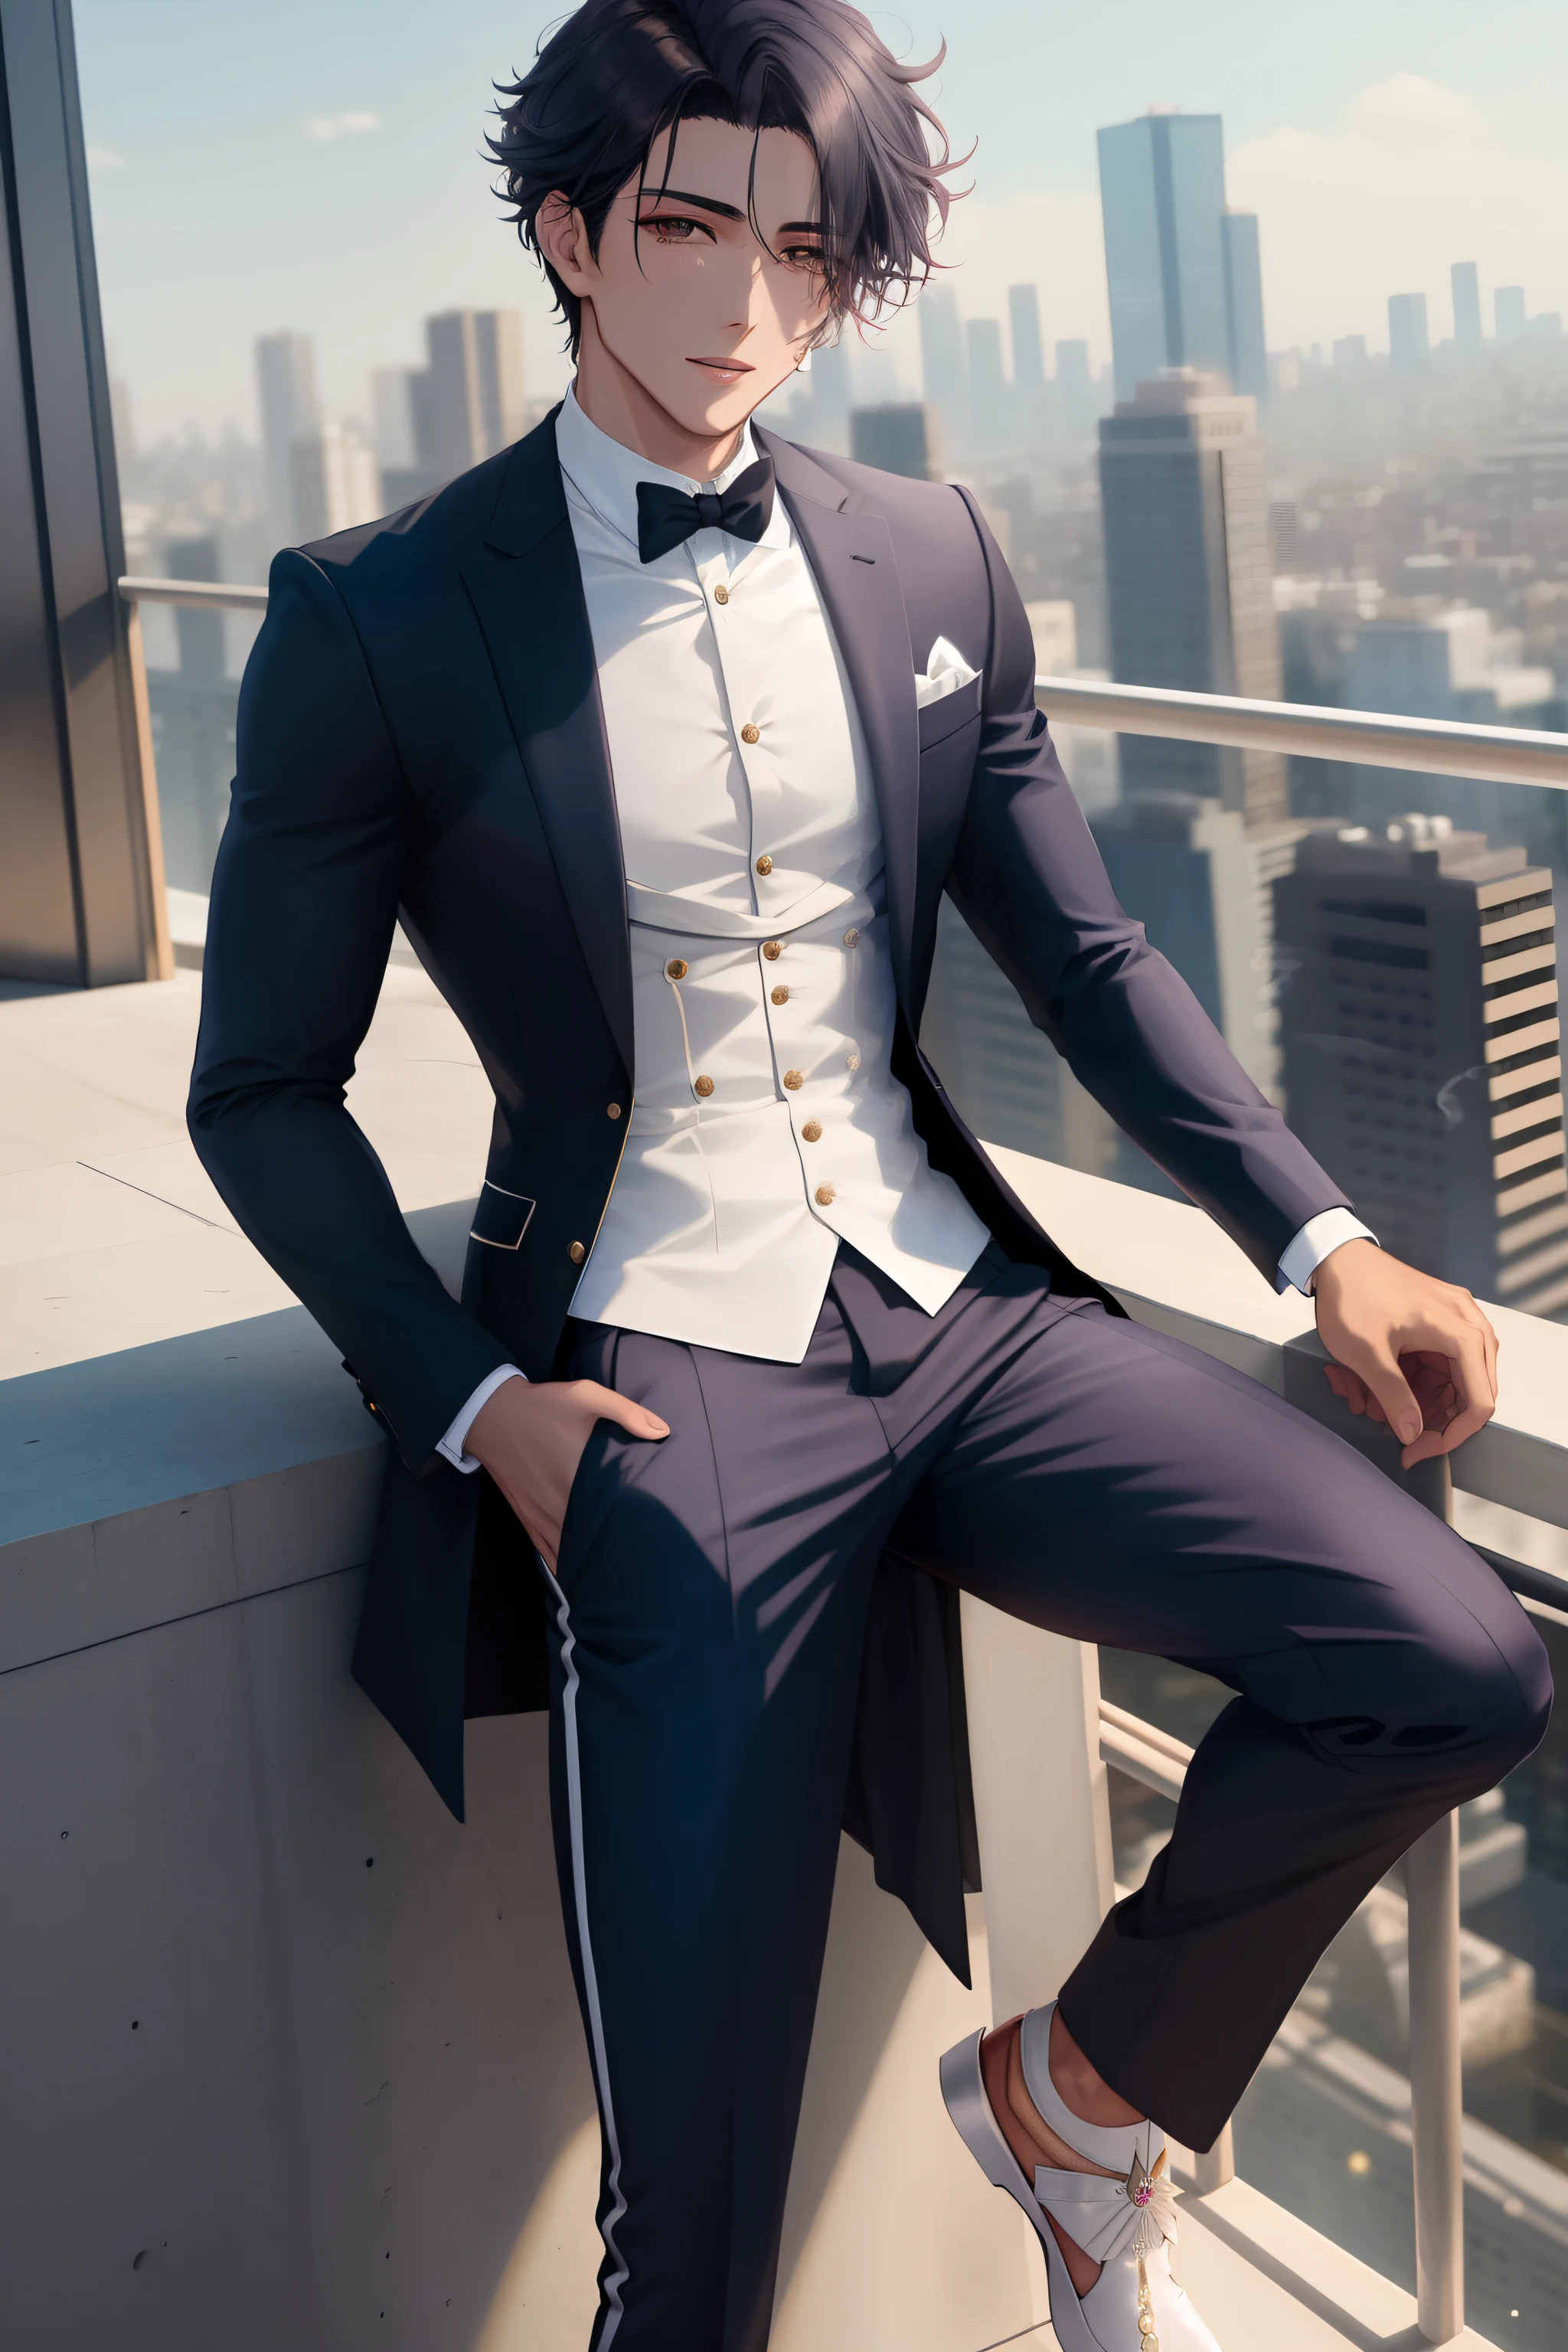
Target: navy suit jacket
{"type": "Point", "coordinates": [420, 734]}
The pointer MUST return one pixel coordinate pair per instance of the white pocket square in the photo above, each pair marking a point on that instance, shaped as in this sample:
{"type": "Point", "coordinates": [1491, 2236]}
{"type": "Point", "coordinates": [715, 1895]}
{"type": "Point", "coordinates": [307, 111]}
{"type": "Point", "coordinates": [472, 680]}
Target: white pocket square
{"type": "Point", "coordinates": [945, 671]}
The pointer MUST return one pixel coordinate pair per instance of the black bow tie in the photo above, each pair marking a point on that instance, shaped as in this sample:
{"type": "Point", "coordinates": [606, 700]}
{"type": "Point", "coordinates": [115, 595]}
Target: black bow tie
{"type": "Point", "coordinates": [667, 518]}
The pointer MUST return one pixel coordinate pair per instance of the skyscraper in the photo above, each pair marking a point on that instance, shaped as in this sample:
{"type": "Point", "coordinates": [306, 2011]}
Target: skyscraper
{"type": "Point", "coordinates": [286, 383]}
{"type": "Point", "coordinates": [467, 399]}
{"type": "Point", "coordinates": [1466, 281]}
{"type": "Point", "coordinates": [1189, 577]}
{"type": "Point", "coordinates": [1421, 1046]}
{"type": "Point", "coordinates": [1028, 348]}
{"type": "Point", "coordinates": [900, 437]}
{"type": "Point", "coordinates": [1407, 344]}
{"type": "Point", "coordinates": [830, 381]}
{"type": "Point", "coordinates": [1074, 386]}
{"type": "Point", "coordinates": [1161, 184]}
{"type": "Point", "coordinates": [497, 341]}
{"type": "Point", "coordinates": [1028, 362]}
{"type": "Point", "coordinates": [392, 417]}
{"type": "Point", "coordinates": [943, 371]}
{"type": "Point", "coordinates": [987, 385]}
{"type": "Point", "coordinates": [1243, 305]}
{"type": "Point", "coordinates": [1507, 309]}
{"type": "Point", "coordinates": [336, 482]}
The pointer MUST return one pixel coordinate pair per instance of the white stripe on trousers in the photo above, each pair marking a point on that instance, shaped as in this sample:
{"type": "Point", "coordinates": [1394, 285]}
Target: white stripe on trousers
{"type": "Point", "coordinates": [620, 2273]}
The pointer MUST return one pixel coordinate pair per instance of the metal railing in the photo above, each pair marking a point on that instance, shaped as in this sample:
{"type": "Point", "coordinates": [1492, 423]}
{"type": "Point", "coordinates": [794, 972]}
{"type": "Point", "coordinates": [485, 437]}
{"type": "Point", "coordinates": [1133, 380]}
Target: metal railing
{"type": "Point", "coordinates": [1485, 754]}
{"type": "Point", "coordinates": [1368, 738]}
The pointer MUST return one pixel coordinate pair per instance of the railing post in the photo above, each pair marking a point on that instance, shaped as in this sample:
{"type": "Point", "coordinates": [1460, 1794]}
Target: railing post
{"type": "Point", "coordinates": [1436, 2087]}
{"type": "Point", "coordinates": [1436, 2092]}
{"type": "Point", "coordinates": [1212, 2171]}
{"type": "Point", "coordinates": [163, 956]}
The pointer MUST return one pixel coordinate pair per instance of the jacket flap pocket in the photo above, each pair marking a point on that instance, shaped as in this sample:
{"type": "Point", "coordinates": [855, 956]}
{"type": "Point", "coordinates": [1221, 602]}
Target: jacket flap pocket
{"type": "Point", "coordinates": [949, 712]}
{"type": "Point", "coordinates": [500, 1218]}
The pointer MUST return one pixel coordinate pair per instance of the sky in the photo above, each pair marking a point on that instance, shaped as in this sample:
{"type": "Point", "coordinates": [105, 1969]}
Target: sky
{"type": "Point", "coordinates": [318, 164]}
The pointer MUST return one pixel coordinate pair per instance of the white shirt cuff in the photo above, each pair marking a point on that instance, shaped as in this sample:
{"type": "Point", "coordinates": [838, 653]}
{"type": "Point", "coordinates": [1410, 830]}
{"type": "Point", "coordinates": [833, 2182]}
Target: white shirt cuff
{"type": "Point", "coordinates": [1312, 1245]}
{"type": "Point", "coordinates": [452, 1445]}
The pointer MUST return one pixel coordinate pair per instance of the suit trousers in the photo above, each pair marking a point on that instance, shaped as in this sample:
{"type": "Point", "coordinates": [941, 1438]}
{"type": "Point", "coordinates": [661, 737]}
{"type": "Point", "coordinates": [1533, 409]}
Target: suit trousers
{"type": "Point", "coordinates": [1083, 1472]}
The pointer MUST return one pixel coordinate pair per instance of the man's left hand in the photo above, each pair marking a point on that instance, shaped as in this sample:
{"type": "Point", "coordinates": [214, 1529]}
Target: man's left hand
{"type": "Point", "coordinates": [1408, 1349]}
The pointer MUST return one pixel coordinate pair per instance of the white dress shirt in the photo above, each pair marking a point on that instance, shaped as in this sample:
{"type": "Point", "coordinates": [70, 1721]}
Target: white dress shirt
{"type": "Point", "coordinates": [766, 1124]}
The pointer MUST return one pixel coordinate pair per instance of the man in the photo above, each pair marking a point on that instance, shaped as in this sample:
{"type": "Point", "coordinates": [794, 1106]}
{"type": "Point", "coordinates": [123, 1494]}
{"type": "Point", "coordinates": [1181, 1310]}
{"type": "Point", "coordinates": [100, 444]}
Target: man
{"type": "Point", "coordinates": [665, 737]}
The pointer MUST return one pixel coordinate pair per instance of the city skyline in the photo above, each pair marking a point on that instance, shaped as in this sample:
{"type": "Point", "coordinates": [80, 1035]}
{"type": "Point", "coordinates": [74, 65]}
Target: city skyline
{"type": "Point", "coordinates": [346, 199]}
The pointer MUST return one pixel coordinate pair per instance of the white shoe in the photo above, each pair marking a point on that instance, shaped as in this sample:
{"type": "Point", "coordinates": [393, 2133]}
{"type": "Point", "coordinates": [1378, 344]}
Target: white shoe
{"type": "Point", "coordinates": [1127, 2225]}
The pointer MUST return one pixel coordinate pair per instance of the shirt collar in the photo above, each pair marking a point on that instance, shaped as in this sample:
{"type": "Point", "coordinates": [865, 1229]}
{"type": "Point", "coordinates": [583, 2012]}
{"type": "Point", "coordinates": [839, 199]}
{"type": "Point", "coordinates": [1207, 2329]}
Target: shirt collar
{"type": "Point", "coordinates": [604, 473]}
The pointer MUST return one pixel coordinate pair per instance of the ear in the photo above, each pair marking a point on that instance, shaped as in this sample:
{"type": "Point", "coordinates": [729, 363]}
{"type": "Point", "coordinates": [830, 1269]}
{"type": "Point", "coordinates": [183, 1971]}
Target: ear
{"type": "Point", "coordinates": [562, 237]}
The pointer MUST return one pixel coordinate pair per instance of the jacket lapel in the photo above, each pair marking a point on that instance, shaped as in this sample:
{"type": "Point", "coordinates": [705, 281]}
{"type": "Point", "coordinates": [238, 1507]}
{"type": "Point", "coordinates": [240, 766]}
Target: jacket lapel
{"type": "Point", "coordinates": [529, 599]}
{"type": "Point", "coordinates": [851, 558]}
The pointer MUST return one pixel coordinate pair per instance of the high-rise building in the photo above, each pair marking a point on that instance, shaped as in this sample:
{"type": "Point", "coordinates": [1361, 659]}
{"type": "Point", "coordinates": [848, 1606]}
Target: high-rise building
{"type": "Point", "coordinates": [1509, 313]}
{"type": "Point", "coordinates": [987, 385]}
{"type": "Point", "coordinates": [1407, 344]}
{"type": "Point", "coordinates": [467, 400]}
{"type": "Point", "coordinates": [1350, 350]}
{"type": "Point", "coordinates": [1420, 1033]}
{"type": "Point", "coordinates": [286, 383]}
{"type": "Point", "coordinates": [1029, 347]}
{"type": "Point", "coordinates": [392, 418]}
{"type": "Point", "coordinates": [1029, 389]}
{"type": "Point", "coordinates": [943, 373]}
{"type": "Point", "coordinates": [1199, 881]}
{"type": "Point", "coordinates": [1190, 578]}
{"type": "Point", "coordinates": [830, 397]}
{"type": "Point", "coordinates": [336, 482]}
{"type": "Point", "coordinates": [1075, 394]}
{"type": "Point", "coordinates": [901, 437]}
{"type": "Point", "coordinates": [1162, 185]}
{"type": "Point", "coordinates": [498, 337]}
{"type": "Point", "coordinates": [1466, 281]}
{"type": "Point", "coordinates": [1243, 305]}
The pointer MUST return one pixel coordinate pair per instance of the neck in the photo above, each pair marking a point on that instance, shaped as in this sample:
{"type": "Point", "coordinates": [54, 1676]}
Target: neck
{"type": "Point", "coordinates": [611, 397]}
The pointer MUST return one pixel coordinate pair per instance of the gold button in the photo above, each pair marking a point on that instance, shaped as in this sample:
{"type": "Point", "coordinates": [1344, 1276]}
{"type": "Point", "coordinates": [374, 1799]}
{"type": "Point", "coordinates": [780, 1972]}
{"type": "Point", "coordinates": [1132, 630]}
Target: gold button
{"type": "Point", "coordinates": [851, 939]}
{"type": "Point", "coordinates": [720, 594]}
{"type": "Point", "coordinates": [793, 1079]}
{"type": "Point", "coordinates": [576, 1253]}
{"type": "Point", "coordinates": [612, 1110]}
{"type": "Point", "coordinates": [823, 1196]}
{"type": "Point", "coordinates": [851, 1061]}
{"type": "Point", "coordinates": [811, 1132]}
{"type": "Point", "coordinates": [749, 734]}
{"type": "Point", "coordinates": [781, 995]}
{"type": "Point", "coordinates": [674, 969]}
{"type": "Point", "coordinates": [772, 949]}
{"type": "Point", "coordinates": [703, 1086]}
{"type": "Point", "coordinates": [765, 864]}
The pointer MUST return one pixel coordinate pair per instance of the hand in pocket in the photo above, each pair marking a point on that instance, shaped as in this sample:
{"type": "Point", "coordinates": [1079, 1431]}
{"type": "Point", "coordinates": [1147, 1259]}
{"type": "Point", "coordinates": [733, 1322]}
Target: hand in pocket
{"type": "Point", "coordinates": [531, 1436]}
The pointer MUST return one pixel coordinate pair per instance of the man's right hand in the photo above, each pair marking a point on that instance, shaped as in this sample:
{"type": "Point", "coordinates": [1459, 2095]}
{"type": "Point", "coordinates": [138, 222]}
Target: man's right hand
{"type": "Point", "coordinates": [530, 1436]}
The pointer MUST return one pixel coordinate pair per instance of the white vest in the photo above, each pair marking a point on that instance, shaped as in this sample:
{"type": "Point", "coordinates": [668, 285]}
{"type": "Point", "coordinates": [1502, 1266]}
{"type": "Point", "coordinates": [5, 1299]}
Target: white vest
{"type": "Point", "coordinates": [767, 1123]}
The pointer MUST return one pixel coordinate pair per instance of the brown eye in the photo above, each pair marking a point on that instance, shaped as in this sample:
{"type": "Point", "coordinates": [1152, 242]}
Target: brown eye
{"type": "Point", "coordinates": [668, 229]}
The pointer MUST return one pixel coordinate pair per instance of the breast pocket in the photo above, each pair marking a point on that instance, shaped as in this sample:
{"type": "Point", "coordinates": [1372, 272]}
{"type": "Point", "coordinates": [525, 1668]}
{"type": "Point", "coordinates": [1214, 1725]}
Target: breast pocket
{"type": "Point", "coordinates": [949, 714]}
{"type": "Point", "coordinates": [500, 1218]}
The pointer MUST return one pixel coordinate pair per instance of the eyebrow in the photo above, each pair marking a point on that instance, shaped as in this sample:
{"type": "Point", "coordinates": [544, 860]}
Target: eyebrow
{"type": "Point", "coordinates": [726, 212]}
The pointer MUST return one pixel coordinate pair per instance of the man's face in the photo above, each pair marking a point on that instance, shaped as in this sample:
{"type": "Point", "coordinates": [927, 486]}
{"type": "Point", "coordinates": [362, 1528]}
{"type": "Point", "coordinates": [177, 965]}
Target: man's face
{"type": "Point", "coordinates": [707, 316]}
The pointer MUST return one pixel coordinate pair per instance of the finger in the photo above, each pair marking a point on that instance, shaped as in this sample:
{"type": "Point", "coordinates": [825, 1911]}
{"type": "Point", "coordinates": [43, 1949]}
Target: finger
{"type": "Point", "coordinates": [1477, 1398]}
{"type": "Point", "coordinates": [1346, 1386]}
{"type": "Point", "coordinates": [635, 1418]}
{"type": "Point", "coordinates": [1392, 1398]}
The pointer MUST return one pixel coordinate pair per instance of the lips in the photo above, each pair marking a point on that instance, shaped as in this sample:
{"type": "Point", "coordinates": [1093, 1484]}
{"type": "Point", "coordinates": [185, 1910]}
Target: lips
{"type": "Point", "coordinates": [723, 371]}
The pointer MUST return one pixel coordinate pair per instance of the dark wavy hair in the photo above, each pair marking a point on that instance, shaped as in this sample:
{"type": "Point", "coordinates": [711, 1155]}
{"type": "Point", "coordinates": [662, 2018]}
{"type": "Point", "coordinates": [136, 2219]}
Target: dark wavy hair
{"type": "Point", "coordinates": [617, 73]}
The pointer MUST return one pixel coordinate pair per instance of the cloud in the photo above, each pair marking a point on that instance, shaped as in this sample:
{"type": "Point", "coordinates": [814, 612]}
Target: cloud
{"type": "Point", "coordinates": [333, 126]}
{"type": "Point", "coordinates": [104, 159]}
{"type": "Point", "coordinates": [1414, 177]}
